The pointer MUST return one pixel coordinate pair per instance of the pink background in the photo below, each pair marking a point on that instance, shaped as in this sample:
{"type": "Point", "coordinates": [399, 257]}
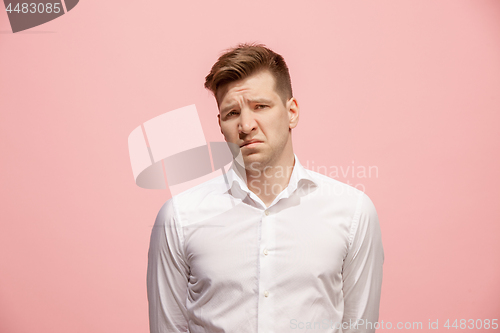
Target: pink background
{"type": "Point", "coordinates": [411, 87]}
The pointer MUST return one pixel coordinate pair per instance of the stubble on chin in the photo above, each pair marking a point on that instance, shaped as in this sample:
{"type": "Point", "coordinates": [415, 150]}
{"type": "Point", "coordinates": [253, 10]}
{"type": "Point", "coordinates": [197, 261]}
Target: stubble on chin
{"type": "Point", "coordinates": [256, 164]}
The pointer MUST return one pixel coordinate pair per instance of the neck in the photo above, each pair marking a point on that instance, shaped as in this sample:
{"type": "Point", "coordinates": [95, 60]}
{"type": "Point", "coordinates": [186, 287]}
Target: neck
{"type": "Point", "coordinates": [270, 180]}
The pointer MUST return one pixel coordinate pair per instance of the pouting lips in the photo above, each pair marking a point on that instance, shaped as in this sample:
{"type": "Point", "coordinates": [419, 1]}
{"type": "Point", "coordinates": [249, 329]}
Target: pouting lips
{"type": "Point", "coordinates": [251, 142]}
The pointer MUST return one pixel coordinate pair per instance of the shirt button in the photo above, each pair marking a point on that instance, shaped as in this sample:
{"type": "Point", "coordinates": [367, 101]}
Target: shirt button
{"type": "Point", "coordinates": [266, 212]}
{"type": "Point", "coordinates": [266, 293]}
{"type": "Point", "coordinates": [265, 252]}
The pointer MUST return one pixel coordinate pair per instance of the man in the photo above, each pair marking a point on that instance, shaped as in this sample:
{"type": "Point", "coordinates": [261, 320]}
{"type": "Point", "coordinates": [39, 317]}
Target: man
{"type": "Point", "coordinates": [270, 246]}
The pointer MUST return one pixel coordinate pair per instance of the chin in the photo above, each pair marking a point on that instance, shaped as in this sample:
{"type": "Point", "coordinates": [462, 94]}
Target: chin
{"type": "Point", "coordinates": [255, 161]}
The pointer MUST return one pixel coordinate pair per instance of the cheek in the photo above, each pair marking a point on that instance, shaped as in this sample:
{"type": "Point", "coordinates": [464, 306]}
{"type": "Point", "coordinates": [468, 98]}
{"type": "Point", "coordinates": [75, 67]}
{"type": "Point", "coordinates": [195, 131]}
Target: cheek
{"type": "Point", "coordinates": [274, 125]}
{"type": "Point", "coordinates": [228, 131]}
{"type": "Point", "coordinates": [282, 123]}
{"type": "Point", "coordinates": [276, 131]}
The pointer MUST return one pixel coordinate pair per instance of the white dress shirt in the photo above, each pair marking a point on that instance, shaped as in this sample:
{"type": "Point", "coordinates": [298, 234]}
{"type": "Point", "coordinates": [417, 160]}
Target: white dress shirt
{"type": "Point", "coordinates": [220, 261]}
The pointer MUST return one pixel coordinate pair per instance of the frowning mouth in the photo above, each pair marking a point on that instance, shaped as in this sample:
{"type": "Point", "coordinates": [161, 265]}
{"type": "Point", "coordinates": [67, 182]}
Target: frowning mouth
{"type": "Point", "coordinates": [250, 144]}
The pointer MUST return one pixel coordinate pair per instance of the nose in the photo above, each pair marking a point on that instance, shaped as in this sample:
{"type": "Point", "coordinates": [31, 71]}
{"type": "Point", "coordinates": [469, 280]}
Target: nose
{"type": "Point", "coordinates": [247, 122]}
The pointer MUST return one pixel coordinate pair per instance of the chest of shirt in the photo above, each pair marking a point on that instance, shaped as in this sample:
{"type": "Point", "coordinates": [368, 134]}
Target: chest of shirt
{"type": "Point", "coordinates": [286, 243]}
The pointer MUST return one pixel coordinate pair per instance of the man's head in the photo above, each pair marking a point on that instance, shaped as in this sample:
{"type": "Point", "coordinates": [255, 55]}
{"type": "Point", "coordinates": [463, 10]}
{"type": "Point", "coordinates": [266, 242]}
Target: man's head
{"type": "Point", "coordinates": [243, 61]}
{"type": "Point", "coordinates": [256, 109]}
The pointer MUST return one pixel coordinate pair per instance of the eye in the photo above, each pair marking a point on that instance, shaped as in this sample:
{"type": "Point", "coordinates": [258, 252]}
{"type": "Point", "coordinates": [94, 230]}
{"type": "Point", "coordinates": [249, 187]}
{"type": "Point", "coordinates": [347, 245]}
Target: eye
{"type": "Point", "coordinates": [261, 106]}
{"type": "Point", "coordinates": [231, 113]}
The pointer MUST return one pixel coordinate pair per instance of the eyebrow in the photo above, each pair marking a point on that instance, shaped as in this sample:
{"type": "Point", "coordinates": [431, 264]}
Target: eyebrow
{"type": "Point", "coordinates": [253, 101]}
{"type": "Point", "coordinates": [227, 108]}
{"type": "Point", "coordinates": [260, 100]}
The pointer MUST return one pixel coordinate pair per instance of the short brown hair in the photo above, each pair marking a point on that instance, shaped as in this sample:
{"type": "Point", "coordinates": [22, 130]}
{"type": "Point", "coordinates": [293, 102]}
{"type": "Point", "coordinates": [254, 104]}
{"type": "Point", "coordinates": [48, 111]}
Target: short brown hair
{"type": "Point", "coordinates": [247, 59]}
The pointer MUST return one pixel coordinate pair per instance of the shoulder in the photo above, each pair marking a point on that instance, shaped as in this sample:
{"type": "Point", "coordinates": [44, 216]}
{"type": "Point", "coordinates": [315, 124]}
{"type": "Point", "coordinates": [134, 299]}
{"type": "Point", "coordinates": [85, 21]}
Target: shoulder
{"type": "Point", "coordinates": [332, 183]}
{"type": "Point", "coordinates": [335, 190]}
{"type": "Point", "coordinates": [365, 222]}
{"type": "Point", "coordinates": [194, 201]}
{"type": "Point", "coordinates": [356, 204]}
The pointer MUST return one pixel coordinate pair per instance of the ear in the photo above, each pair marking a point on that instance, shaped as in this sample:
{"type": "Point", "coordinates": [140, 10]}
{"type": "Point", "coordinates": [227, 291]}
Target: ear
{"type": "Point", "coordinates": [293, 112]}
{"type": "Point", "coordinates": [218, 120]}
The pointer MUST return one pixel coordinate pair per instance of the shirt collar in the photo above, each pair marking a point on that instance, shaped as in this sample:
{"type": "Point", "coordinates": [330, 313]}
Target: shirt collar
{"type": "Point", "coordinates": [239, 187]}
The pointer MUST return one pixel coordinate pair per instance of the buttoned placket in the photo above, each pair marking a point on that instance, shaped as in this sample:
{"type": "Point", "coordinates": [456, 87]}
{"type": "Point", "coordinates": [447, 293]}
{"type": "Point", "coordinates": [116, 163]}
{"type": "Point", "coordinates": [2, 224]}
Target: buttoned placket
{"type": "Point", "coordinates": [267, 262]}
{"type": "Point", "coordinates": [266, 278]}
{"type": "Point", "coordinates": [266, 259]}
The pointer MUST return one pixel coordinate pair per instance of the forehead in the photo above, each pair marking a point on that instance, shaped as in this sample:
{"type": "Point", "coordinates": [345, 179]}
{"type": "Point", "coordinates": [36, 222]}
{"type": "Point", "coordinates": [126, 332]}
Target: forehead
{"type": "Point", "coordinates": [259, 84]}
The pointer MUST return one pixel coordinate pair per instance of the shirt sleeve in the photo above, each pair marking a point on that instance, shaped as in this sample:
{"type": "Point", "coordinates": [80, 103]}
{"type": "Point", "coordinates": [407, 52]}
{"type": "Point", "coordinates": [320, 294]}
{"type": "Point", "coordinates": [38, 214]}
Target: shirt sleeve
{"type": "Point", "coordinates": [362, 270]}
{"type": "Point", "coordinates": [167, 274]}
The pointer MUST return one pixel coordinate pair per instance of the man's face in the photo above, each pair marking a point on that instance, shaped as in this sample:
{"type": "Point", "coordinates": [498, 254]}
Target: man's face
{"type": "Point", "coordinates": [252, 116]}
